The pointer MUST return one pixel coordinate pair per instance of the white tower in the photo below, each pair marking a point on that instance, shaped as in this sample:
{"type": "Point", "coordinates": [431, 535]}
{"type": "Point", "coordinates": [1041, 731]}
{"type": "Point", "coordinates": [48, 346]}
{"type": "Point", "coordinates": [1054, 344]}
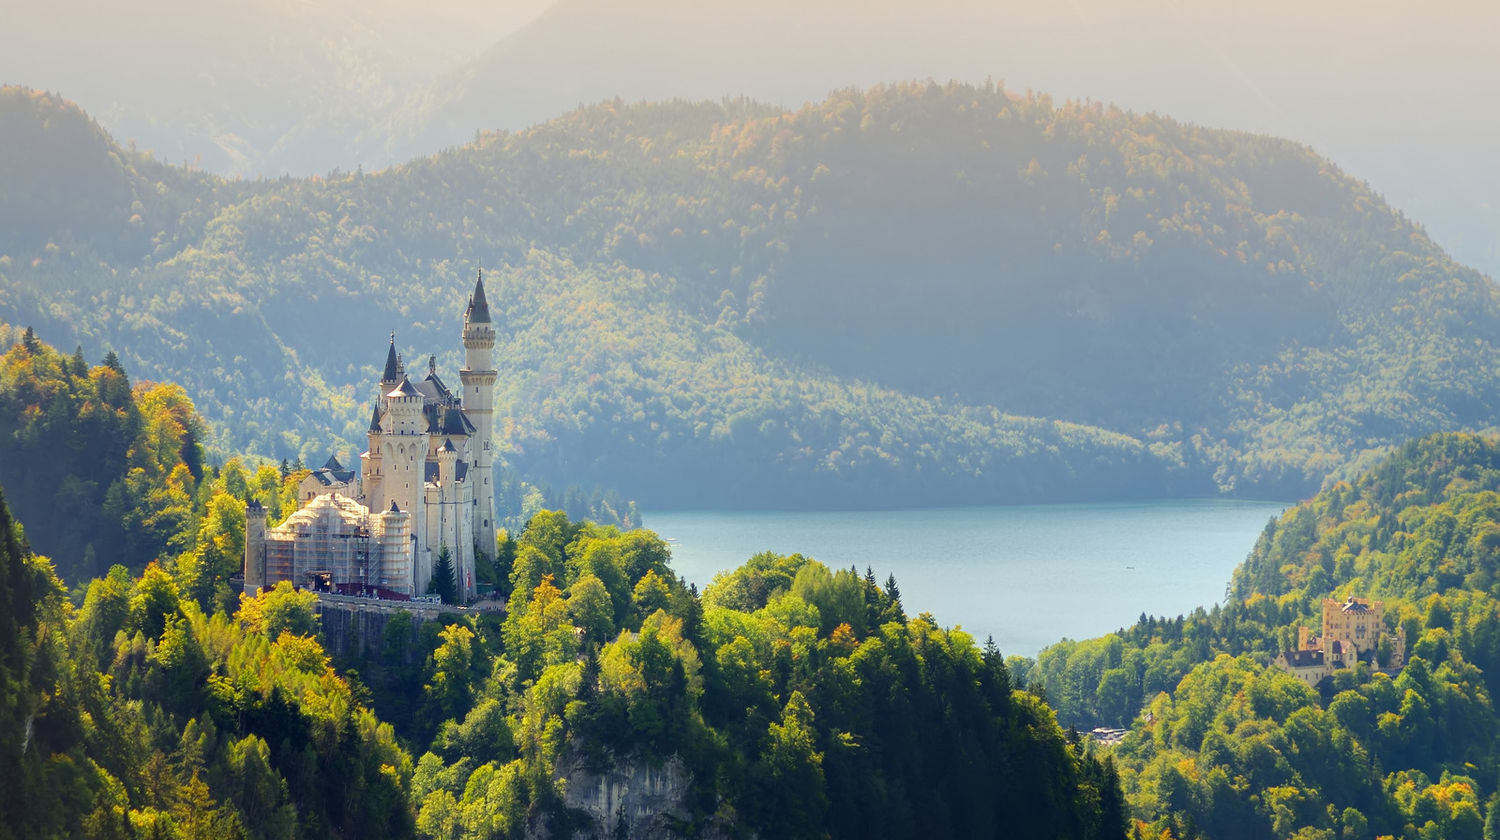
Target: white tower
{"type": "Point", "coordinates": [403, 456]}
{"type": "Point", "coordinates": [478, 377]}
{"type": "Point", "coordinates": [396, 551]}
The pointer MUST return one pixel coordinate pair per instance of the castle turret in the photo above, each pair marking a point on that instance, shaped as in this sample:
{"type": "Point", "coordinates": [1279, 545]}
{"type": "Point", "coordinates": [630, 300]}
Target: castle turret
{"type": "Point", "coordinates": [371, 468]}
{"type": "Point", "coordinates": [396, 551]}
{"type": "Point", "coordinates": [255, 547]}
{"type": "Point", "coordinates": [392, 375]}
{"type": "Point", "coordinates": [478, 376]}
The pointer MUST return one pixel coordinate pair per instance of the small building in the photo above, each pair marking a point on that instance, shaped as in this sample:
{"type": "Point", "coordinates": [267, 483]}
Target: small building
{"type": "Point", "coordinates": [1106, 736]}
{"type": "Point", "coordinates": [1306, 665]}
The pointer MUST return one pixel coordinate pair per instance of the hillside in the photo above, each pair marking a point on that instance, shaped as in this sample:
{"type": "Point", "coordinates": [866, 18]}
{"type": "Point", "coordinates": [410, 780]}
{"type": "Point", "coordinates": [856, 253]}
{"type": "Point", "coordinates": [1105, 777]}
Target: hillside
{"type": "Point", "coordinates": [867, 301]}
{"type": "Point", "coordinates": [772, 704]}
{"type": "Point", "coordinates": [1223, 745]}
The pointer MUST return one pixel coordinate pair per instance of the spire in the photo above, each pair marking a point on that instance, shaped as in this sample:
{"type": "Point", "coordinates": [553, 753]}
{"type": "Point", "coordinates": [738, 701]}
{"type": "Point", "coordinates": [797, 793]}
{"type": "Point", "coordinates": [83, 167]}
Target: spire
{"type": "Point", "coordinates": [479, 309]}
{"type": "Point", "coordinates": [392, 365]}
{"type": "Point", "coordinates": [375, 419]}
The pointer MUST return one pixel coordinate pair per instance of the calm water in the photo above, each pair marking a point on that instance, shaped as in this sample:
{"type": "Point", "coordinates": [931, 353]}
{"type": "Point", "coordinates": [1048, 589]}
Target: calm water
{"type": "Point", "coordinates": [1029, 575]}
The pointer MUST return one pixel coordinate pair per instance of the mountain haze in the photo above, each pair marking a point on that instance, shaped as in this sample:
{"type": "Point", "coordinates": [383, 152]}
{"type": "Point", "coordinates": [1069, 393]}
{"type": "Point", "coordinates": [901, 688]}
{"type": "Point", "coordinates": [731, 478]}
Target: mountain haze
{"type": "Point", "coordinates": [885, 298]}
{"type": "Point", "coordinates": [1384, 89]}
{"type": "Point", "coordinates": [1331, 74]}
{"type": "Point", "coordinates": [247, 88]}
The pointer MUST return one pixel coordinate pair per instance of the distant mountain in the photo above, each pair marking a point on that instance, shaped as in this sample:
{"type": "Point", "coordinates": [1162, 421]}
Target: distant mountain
{"type": "Point", "coordinates": [266, 87]}
{"type": "Point", "coordinates": [919, 294]}
{"type": "Point", "coordinates": [248, 88]}
{"type": "Point", "coordinates": [1333, 75]}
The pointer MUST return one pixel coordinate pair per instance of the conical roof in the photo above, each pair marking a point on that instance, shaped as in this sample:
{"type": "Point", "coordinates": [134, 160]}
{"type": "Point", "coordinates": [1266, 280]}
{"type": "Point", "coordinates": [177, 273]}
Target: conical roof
{"type": "Point", "coordinates": [392, 364]}
{"type": "Point", "coordinates": [479, 308]}
{"type": "Point", "coordinates": [405, 389]}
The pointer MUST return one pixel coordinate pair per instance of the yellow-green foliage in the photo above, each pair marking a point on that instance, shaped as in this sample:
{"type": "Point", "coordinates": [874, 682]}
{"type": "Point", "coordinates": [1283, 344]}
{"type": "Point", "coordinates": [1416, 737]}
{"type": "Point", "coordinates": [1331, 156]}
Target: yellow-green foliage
{"type": "Point", "coordinates": [1225, 745]}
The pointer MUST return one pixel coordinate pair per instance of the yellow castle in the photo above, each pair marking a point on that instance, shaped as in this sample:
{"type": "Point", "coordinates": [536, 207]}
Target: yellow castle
{"type": "Point", "coordinates": [1352, 630]}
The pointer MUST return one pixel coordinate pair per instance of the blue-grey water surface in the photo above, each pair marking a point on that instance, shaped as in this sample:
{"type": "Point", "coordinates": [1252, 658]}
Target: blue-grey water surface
{"type": "Point", "coordinates": [1028, 575]}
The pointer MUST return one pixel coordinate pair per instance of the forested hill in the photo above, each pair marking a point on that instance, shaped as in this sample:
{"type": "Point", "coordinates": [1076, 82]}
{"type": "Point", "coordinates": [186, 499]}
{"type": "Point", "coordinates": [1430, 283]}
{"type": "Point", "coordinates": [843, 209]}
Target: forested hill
{"type": "Point", "coordinates": [772, 705]}
{"type": "Point", "coordinates": [862, 302]}
{"type": "Point", "coordinates": [1225, 745]}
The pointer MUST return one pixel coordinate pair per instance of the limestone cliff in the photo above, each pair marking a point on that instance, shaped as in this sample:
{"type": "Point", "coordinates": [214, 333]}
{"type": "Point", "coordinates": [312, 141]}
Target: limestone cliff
{"type": "Point", "coordinates": [649, 798]}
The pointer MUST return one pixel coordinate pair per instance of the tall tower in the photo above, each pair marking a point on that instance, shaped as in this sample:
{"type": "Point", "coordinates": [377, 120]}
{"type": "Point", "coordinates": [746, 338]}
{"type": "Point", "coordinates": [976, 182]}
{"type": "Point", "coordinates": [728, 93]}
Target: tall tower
{"type": "Point", "coordinates": [373, 476]}
{"type": "Point", "coordinates": [478, 376]}
{"type": "Point", "coordinates": [255, 547]}
{"type": "Point", "coordinates": [404, 458]}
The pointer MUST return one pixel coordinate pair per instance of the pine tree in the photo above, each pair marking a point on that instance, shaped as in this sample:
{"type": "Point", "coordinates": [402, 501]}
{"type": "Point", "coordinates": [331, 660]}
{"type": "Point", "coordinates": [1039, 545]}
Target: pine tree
{"type": "Point", "coordinates": [443, 583]}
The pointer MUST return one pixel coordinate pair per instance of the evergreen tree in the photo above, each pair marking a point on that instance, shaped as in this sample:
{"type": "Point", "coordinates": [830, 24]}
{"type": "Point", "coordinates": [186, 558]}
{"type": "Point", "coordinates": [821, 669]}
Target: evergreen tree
{"type": "Point", "coordinates": [443, 583]}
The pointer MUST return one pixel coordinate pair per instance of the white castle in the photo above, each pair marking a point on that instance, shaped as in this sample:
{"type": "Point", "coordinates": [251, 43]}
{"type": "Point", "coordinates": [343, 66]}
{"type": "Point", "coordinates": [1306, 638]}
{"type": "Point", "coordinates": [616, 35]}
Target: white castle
{"type": "Point", "coordinates": [425, 486]}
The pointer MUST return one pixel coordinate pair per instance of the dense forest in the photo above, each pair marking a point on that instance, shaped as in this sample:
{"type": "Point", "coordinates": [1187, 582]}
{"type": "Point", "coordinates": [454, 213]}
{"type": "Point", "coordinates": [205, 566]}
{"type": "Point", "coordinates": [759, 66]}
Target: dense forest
{"type": "Point", "coordinates": [787, 699]}
{"type": "Point", "coordinates": [911, 294]}
{"type": "Point", "coordinates": [1224, 745]}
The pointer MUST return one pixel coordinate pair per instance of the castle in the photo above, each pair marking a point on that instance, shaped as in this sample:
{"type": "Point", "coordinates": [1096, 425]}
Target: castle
{"type": "Point", "coordinates": [425, 486]}
{"type": "Point", "coordinates": [1351, 632]}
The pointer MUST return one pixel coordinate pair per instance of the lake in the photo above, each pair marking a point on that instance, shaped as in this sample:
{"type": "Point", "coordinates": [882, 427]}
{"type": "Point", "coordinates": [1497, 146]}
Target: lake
{"type": "Point", "coordinates": [1028, 575]}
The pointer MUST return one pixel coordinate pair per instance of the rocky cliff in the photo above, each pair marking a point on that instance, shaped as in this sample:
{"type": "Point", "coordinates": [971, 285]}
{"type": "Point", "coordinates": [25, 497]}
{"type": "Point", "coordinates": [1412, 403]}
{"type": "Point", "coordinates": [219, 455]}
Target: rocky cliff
{"type": "Point", "coordinates": [630, 797]}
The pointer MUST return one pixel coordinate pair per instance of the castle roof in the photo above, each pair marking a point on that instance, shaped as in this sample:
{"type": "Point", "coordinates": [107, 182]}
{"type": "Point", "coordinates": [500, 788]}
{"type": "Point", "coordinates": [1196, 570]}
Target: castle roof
{"type": "Point", "coordinates": [375, 419]}
{"type": "Point", "coordinates": [1303, 658]}
{"type": "Point", "coordinates": [332, 463]}
{"type": "Point", "coordinates": [392, 363]}
{"type": "Point", "coordinates": [438, 386]}
{"type": "Point", "coordinates": [333, 473]}
{"type": "Point", "coordinates": [433, 390]}
{"type": "Point", "coordinates": [479, 309]}
{"type": "Point", "coordinates": [456, 422]}
{"type": "Point", "coordinates": [1354, 605]}
{"type": "Point", "coordinates": [405, 389]}
{"type": "Point", "coordinates": [447, 446]}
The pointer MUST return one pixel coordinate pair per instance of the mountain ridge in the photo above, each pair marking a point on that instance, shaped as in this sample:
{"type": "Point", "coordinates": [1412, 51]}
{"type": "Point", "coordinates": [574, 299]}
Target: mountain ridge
{"type": "Point", "coordinates": [1254, 308]}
